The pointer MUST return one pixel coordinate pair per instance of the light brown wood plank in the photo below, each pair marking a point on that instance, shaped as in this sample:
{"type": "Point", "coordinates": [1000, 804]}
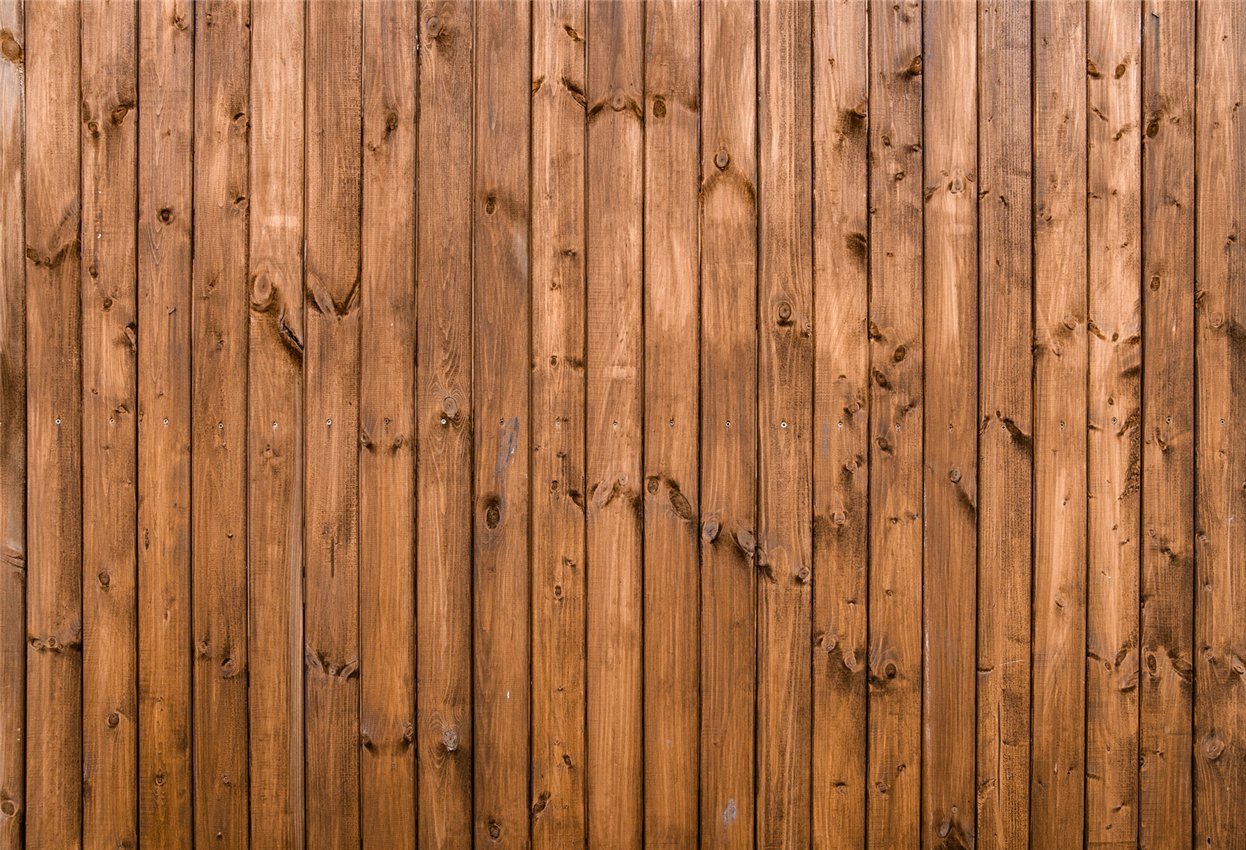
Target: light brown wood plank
{"type": "Point", "coordinates": [728, 421]}
{"type": "Point", "coordinates": [1219, 710]}
{"type": "Point", "coordinates": [1114, 174]}
{"type": "Point", "coordinates": [53, 427]}
{"type": "Point", "coordinates": [387, 428]}
{"type": "Point", "coordinates": [1005, 404]}
{"type": "Point", "coordinates": [1167, 542]}
{"type": "Point", "coordinates": [896, 518]}
{"type": "Point", "coordinates": [109, 402]}
{"type": "Point", "coordinates": [166, 133]}
{"type": "Point", "coordinates": [500, 209]}
{"type": "Point", "coordinates": [275, 426]}
{"type": "Point", "coordinates": [444, 422]}
{"type": "Point", "coordinates": [672, 605]}
{"type": "Point", "coordinates": [558, 152]}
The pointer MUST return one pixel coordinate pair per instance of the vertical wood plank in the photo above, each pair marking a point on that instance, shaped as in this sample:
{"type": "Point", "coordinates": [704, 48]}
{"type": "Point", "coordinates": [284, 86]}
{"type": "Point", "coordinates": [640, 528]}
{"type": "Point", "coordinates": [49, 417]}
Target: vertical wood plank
{"type": "Point", "coordinates": [951, 386]}
{"type": "Point", "coordinates": [109, 458]}
{"type": "Point", "coordinates": [444, 422]}
{"type": "Point", "coordinates": [784, 419]}
{"type": "Point", "coordinates": [275, 426]}
{"type": "Point", "coordinates": [1060, 364]}
{"type": "Point", "coordinates": [841, 420]}
{"type": "Point", "coordinates": [500, 210]}
{"type": "Point", "coordinates": [728, 420]}
{"type": "Point", "coordinates": [12, 430]}
{"type": "Point", "coordinates": [1168, 294]}
{"type": "Point", "coordinates": [1005, 402]}
{"type": "Point", "coordinates": [331, 427]}
{"type": "Point", "coordinates": [1220, 714]}
{"type": "Point", "coordinates": [896, 416]}
{"type": "Point", "coordinates": [672, 606]}
{"type": "Point", "coordinates": [614, 425]}
{"type": "Point", "coordinates": [166, 139]}
{"type": "Point", "coordinates": [387, 428]}
{"type": "Point", "coordinates": [219, 423]}
{"type": "Point", "coordinates": [54, 427]}
{"type": "Point", "coordinates": [558, 416]}
{"type": "Point", "coordinates": [1114, 173]}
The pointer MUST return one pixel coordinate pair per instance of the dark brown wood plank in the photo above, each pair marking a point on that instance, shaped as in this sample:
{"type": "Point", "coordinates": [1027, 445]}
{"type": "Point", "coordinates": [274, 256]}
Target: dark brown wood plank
{"type": "Point", "coordinates": [672, 605]}
{"type": "Point", "coordinates": [500, 209]}
{"type": "Point", "coordinates": [444, 422]}
{"type": "Point", "coordinates": [728, 421]}
{"type": "Point", "coordinates": [1167, 543]}
{"type": "Point", "coordinates": [557, 801]}
{"type": "Point", "coordinates": [166, 133]}
{"type": "Point", "coordinates": [1113, 448]}
{"type": "Point", "coordinates": [896, 518]}
{"type": "Point", "coordinates": [1005, 402]}
{"type": "Point", "coordinates": [387, 428]}
{"type": "Point", "coordinates": [220, 319]}
{"type": "Point", "coordinates": [109, 404]}
{"type": "Point", "coordinates": [275, 426]}
{"type": "Point", "coordinates": [54, 427]}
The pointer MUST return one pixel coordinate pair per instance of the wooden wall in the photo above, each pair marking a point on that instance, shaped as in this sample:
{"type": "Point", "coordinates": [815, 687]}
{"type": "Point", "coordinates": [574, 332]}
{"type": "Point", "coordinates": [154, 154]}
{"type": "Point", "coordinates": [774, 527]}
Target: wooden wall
{"type": "Point", "coordinates": [427, 423]}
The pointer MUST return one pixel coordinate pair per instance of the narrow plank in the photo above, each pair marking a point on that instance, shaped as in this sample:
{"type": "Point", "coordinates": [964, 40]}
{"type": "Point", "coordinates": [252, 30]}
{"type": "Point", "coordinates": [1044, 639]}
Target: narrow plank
{"type": "Point", "coordinates": [387, 428]}
{"type": "Point", "coordinates": [672, 606]}
{"type": "Point", "coordinates": [614, 423]}
{"type": "Point", "coordinates": [728, 420]}
{"type": "Point", "coordinates": [331, 426]}
{"type": "Point", "coordinates": [444, 423]}
{"type": "Point", "coordinates": [166, 134]}
{"type": "Point", "coordinates": [12, 432]}
{"type": "Point", "coordinates": [841, 420]}
{"type": "Point", "coordinates": [53, 427]}
{"type": "Point", "coordinates": [275, 429]}
{"type": "Point", "coordinates": [1005, 405]}
{"type": "Point", "coordinates": [500, 210]}
{"type": "Point", "coordinates": [1113, 447]}
{"type": "Point", "coordinates": [220, 319]}
{"type": "Point", "coordinates": [1167, 544]}
{"type": "Point", "coordinates": [1060, 364]}
{"type": "Point", "coordinates": [895, 328]}
{"type": "Point", "coordinates": [1220, 714]}
{"type": "Point", "coordinates": [558, 152]}
{"type": "Point", "coordinates": [109, 402]}
{"type": "Point", "coordinates": [784, 420]}
{"type": "Point", "coordinates": [950, 396]}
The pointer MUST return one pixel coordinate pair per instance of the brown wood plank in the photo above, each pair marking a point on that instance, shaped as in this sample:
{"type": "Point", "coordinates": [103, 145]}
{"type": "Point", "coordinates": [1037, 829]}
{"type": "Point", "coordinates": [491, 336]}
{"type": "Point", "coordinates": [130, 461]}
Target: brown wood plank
{"type": "Point", "coordinates": [54, 427]}
{"type": "Point", "coordinates": [444, 421]}
{"type": "Point", "coordinates": [109, 402]}
{"type": "Point", "coordinates": [1219, 711]}
{"type": "Point", "coordinates": [1060, 364]}
{"type": "Point", "coordinates": [166, 133]}
{"type": "Point", "coordinates": [672, 606]}
{"type": "Point", "coordinates": [614, 424]}
{"type": "Point", "coordinates": [841, 420]}
{"type": "Point", "coordinates": [728, 420]}
{"type": "Point", "coordinates": [501, 207]}
{"type": "Point", "coordinates": [895, 327]}
{"type": "Point", "coordinates": [12, 431]}
{"type": "Point", "coordinates": [784, 419]}
{"type": "Point", "coordinates": [219, 424]}
{"type": "Point", "coordinates": [387, 428]}
{"type": "Point", "coordinates": [1114, 173]}
{"type": "Point", "coordinates": [1167, 543]}
{"type": "Point", "coordinates": [331, 424]}
{"type": "Point", "coordinates": [1005, 402]}
{"type": "Point", "coordinates": [275, 426]}
{"type": "Point", "coordinates": [558, 155]}
{"type": "Point", "coordinates": [950, 391]}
